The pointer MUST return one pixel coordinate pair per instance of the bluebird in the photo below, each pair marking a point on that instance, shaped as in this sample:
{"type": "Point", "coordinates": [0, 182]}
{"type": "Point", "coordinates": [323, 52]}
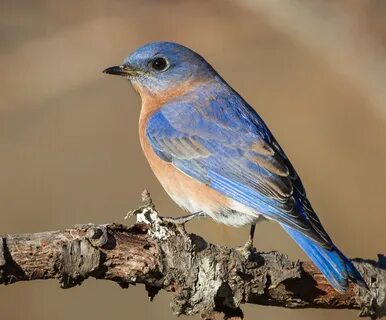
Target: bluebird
{"type": "Point", "coordinates": [215, 156]}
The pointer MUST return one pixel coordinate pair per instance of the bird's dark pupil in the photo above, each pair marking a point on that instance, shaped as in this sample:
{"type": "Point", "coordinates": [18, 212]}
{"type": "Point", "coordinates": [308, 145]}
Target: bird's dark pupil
{"type": "Point", "coordinates": [159, 63]}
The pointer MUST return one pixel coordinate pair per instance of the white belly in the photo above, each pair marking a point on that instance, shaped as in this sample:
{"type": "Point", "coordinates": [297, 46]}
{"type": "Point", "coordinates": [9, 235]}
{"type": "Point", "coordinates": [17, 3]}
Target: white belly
{"type": "Point", "coordinates": [234, 214]}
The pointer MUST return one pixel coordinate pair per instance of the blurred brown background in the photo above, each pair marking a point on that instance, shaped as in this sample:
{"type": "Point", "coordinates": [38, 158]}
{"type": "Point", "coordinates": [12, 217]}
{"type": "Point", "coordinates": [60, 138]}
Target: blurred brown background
{"type": "Point", "coordinates": [315, 71]}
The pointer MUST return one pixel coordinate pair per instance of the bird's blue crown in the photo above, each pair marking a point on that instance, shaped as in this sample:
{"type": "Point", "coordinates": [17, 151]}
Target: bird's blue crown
{"type": "Point", "coordinates": [164, 65]}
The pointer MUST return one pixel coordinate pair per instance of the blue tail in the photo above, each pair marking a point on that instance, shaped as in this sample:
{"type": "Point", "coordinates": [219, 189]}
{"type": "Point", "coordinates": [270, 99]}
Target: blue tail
{"type": "Point", "coordinates": [332, 263]}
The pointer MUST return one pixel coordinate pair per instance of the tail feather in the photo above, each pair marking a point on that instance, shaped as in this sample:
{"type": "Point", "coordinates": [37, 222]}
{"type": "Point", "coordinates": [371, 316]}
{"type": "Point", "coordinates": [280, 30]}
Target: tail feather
{"type": "Point", "coordinates": [332, 263]}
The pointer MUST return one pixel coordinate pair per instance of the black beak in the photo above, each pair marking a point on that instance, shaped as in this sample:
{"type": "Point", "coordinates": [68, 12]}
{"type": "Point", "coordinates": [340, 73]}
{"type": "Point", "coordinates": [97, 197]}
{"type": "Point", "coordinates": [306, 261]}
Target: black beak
{"type": "Point", "coordinates": [122, 70]}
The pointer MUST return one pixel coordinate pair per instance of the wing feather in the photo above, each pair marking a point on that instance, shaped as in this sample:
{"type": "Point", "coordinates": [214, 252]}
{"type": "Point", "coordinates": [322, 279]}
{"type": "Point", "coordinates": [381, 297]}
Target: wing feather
{"type": "Point", "coordinates": [232, 151]}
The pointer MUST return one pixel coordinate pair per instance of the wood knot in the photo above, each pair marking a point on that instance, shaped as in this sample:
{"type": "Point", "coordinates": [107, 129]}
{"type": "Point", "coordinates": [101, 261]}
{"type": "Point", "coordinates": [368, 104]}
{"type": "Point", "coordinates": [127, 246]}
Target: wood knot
{"type": "Point", "coordinates": [97, 236]}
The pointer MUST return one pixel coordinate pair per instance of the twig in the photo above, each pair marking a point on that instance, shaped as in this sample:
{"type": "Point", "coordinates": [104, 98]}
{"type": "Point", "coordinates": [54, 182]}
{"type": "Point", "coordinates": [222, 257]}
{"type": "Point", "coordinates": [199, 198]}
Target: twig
{"type": "Point", "coordinates": [207, 279]}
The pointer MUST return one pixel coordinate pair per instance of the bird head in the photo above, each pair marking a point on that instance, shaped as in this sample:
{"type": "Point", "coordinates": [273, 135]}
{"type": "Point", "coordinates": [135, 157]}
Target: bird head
{"type": "Point", "coordinates": [158, 67]}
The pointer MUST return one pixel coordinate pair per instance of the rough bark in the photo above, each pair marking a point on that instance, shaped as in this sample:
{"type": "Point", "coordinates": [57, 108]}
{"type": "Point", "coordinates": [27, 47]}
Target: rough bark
{"type": "Point", "coordinates": [207, 279]}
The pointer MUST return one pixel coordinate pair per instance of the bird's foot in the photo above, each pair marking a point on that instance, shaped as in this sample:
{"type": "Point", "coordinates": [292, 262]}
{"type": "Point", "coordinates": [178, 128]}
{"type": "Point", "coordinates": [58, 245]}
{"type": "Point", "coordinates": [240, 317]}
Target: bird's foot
{"type": "Point", "coordinates": [248, 245]}
{"type": "Point", "coordinates": [180, 222]}
{"type": "Point", "coordinates": [184, 219]}
{"type": "Point", "coordinates": [247, 249]}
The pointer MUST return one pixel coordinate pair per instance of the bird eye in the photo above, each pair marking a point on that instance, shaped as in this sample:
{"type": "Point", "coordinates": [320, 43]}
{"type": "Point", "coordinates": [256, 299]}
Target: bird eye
{"type": "Point", "coordinates": [159, 64]}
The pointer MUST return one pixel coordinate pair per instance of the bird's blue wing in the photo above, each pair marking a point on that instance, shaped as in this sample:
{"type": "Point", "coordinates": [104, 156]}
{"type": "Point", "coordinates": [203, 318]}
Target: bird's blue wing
{"type": "Point", "coordinates": [225, 145]}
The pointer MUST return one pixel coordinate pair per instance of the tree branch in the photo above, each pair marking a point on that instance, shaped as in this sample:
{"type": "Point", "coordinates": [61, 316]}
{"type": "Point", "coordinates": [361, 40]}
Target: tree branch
{"type": "Point", "coordinates": [207, 279]}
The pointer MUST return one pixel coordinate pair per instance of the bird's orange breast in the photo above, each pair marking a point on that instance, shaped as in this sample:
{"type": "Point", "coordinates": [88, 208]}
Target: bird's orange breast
{"type": "Point", "coordinates": [187, 192]}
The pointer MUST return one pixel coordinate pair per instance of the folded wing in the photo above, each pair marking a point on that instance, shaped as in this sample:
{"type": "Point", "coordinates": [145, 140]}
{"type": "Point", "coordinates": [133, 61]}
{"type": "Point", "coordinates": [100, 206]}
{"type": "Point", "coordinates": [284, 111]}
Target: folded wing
{"type": "Point", "coordinates": [231, 150]}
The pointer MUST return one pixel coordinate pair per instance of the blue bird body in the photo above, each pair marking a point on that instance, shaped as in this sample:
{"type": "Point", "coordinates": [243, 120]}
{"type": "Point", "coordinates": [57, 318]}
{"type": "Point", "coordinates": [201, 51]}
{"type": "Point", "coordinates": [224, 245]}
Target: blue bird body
{"type": "Point", "coordinates": [233, 169]}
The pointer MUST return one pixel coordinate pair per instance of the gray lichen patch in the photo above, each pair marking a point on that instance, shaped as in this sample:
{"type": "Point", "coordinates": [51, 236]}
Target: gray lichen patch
{"type": "Point", "coordinates": [157, 230]}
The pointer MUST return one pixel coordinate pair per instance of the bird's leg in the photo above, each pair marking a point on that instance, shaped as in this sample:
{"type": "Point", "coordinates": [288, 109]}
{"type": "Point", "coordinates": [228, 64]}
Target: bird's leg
{"type": "Point", "coordinates": [183, 219]}
{"type": "Point", "coordinates": [249, 244]}
{"type": "Point", "coordinates": [246, 249]}
{"type": "Point", "coordinates": [179, 222]}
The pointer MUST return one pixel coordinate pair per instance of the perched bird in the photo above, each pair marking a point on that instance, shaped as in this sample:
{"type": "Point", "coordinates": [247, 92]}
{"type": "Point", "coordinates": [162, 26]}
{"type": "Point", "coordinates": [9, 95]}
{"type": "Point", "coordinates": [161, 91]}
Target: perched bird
{"type": "Point", "coordinates": [215, 156]}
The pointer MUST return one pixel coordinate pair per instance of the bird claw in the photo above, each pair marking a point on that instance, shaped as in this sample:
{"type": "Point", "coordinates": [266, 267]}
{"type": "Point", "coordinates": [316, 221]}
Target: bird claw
{"type": "Point", "coordinates": [247, 249]}
{"type": "Point", "coordinates": [179, 223]}
{"type": "Point", "coordinates": [248, 245]}
{"type": "Point", "coordinates": [184, 219]}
